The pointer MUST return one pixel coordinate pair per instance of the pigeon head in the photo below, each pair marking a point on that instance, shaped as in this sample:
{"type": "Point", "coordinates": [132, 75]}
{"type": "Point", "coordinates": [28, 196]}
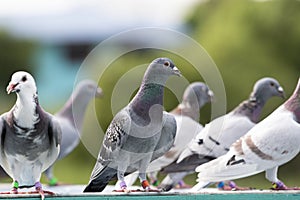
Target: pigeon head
{"type": "Point", "coordinates": [159, 70]}
{"type": "Point", "coordinates": [166, 66]}
{"type": "Point", "coordinates": [266, 88]}
{"type": "Point", "coordinates": [197, 93]}
{"type": "Point", "coordinates": [89, 88]}
{"type": "Point", "coordinates": [195, 96]}
{"type": "Point", "coordinates": [21, 82]}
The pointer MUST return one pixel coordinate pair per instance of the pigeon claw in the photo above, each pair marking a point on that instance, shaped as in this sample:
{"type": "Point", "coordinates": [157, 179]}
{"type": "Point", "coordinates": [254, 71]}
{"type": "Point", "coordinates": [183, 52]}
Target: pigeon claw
{"type": "Point", "coordinates": [125, 190]}
{"type": "Point", "coordinates": [123, 187]}
{"type": "Point", "coordinates": [14, 191]}
{"type": "Point", "coordinates": [281, 186]}
{"type": "Point", "coordinates": [147, 188]}
{"type": "Point", "coordinates": [231, 186]}
{"type": "Point", "coordinates": [155, 182]}
{"type": "Point", "coordinates": [145, 185]}
{"type": "Point", "coordinates": [182, 185]}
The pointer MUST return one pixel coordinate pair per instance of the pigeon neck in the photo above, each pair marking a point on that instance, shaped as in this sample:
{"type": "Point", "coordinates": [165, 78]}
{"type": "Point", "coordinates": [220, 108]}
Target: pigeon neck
{"type": "Point", "coordinates": [149, 94]}
{"type": "Point", "coordinates": [293, 103]}
{"type": "Point", "coordinates": [251, 108]}
{"type": "Point", "coordinates": [189, 110]}
{"type": "Point", "coordinates": [75, 108]}
{"type": "Point", "coordinates": [25, 110]}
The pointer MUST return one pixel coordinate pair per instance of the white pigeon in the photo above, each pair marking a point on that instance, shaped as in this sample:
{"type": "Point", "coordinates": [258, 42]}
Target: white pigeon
{"type": "Point", "coordinates": [30, 137]}
{"type": "Point", "coordinates": [138, 133]}
{"type": "Point", "coordinates": [70, 119]}
{"type": "Point", "coordinates": [217, 136]}
{"type": "Point", "coordinates": [187, 115]}
{"type": "Point", "coordinates": [271, 143]}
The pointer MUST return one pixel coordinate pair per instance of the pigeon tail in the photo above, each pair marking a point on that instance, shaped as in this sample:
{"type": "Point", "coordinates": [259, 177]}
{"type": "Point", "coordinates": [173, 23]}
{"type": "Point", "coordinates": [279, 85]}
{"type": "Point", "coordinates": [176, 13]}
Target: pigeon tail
{"type": "Point", "coordinates": [186, 153]}
{"type": "Point", "coordinates": [99, 181]}
{"type": "Point", "coordinates": [188, 164]}
{"type": "Point", "coordinates": [227, 167]}
{"type": "Point", "coordinates": [200, 185]}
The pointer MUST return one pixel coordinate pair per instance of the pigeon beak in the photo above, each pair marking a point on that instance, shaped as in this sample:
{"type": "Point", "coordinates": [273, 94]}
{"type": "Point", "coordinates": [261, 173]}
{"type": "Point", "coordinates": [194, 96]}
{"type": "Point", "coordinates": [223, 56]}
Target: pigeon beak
{"type": "Point", "coordinates": [281, 92]}
{"type": "Point", "coordinates": [211, 95]}
{"type": "Point", "coordinates": [11, 87]}
{"type": "Point", "coordinates": [176, 71]}
{"type": "Point", "coordinates": [99, 93]}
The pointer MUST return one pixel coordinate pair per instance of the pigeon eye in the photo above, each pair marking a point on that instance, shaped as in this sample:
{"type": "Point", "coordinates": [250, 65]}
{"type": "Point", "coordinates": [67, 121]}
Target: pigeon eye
{"type": "Point", "coordinates": [24, 78]}
{"type": "Point", "coordinates": [167, 64]}
{"type": "Point", "coordinates": [272, 84]}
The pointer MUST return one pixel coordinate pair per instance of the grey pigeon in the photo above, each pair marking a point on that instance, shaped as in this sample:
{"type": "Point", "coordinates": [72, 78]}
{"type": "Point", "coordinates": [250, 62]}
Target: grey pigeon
{"type": "Point", "coordinates": [186, 114]}
{"type": "Point", "coordinates": [70, 119]}
{"type": "Point", "coordinates": [139, 133]}
{"type": "Point", "coordinates": [217, 136]}
{"type": "Point", "coordinates": [195, 96]}
{"type": "Point", "coordinates": [30, 137]}
{"type": "Point", "coordinates": [271, 143]}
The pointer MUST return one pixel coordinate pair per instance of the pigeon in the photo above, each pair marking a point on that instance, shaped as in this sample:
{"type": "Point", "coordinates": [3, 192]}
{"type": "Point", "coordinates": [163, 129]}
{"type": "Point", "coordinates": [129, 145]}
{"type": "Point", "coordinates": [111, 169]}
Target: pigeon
{"type": "Point", "coordinates": [70, 119]}
{"type": "Point", "coordinates": [139, 133]}
{"type": "Point", "coordinates": [271, 143]}
{"type": "Point", "coordinates": [187, 115]}
{"type": "Point", "coordinates": [30, 137]}
{"type": "Point", "coordinates": [217, 136]}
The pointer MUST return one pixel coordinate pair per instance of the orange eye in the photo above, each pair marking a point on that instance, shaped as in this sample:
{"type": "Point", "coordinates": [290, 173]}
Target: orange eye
{"type": "Point", "coordinates": [167, 64]}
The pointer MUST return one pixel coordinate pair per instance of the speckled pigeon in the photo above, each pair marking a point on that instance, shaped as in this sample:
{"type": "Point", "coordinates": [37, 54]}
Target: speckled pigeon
{"type": "Point", "coordinates": [217, 136]}
{"type": "Point", "coordinates": [70, 119]}
{"type": "Point", "coordinates": [187, 115]}
{"type": "Point", "coordinates": [271, 143]}
{"type": "Point", "coordinates": [30, 137]}
{"type": "Point", "coordinates": [138, 133]}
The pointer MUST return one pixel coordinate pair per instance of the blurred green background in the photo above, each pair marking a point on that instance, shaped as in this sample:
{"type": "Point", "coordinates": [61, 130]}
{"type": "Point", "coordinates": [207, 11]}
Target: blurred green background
{"type": "Point", "coordinates": [246, 39]}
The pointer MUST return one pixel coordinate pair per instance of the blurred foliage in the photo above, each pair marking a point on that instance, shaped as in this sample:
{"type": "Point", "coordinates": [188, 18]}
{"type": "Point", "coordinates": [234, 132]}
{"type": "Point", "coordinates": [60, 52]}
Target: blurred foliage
{"type": "Point", "coordinates": [15, 54]}
{"type": "Point", "coordinates": [249, 40]}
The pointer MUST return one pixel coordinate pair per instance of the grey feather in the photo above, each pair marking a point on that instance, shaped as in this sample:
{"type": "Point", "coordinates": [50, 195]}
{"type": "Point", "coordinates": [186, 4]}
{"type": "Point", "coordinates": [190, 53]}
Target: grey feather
{"type": "Point", "coordinates": [186, 115]}
{"type": "Point", "coordinates": [71, 116]}
{"type": "Point", "coordinates": [30, 137]}
{"type": "Point", "coordinates": [217, 136]}
{"type": "Point", "coordinates": [135, 132]}
{"type": "Point", "coordinates": [271, 143]}
{"type": "Point", "coordinates": [167, 137]}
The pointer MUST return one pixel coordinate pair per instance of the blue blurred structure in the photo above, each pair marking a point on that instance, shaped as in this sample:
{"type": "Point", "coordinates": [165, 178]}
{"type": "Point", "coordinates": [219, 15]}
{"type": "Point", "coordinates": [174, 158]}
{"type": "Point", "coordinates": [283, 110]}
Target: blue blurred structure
{"type": "Point", "coordinates": [68, 30]}
{"type": "Point", "coordinates": [57, 68]}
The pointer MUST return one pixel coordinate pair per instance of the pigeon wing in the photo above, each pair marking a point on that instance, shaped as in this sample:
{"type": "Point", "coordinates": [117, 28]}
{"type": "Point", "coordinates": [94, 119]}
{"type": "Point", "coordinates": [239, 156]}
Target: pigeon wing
{"type": "Point", "coordinates": [167, 137]}
{"type": "Point", "coordinates": [115, 136]}
{"type": "Point", "coordinates": [263, 147]}
{"type": "Point", "coordinates": [54, 131]}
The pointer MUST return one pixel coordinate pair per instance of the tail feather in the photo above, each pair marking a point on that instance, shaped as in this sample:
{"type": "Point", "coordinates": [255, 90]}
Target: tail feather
{"type": "Point", "coordinates": [221, 170]}
{"type": "Point", "coordinates": [100, 180]}
{"type": "Point", "coordinates": [188, 164]}
{"type": "Point", "coordinates": [186, 153]}
{"type": "Point", "coordinates": [200, 185]}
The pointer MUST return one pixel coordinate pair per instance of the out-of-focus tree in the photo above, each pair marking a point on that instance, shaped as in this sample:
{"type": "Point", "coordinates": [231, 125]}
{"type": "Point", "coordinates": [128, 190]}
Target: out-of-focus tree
{"type": "Point", "coordinates": [249, 40]}
{"type": "Point", "coordinates": [15, 54]}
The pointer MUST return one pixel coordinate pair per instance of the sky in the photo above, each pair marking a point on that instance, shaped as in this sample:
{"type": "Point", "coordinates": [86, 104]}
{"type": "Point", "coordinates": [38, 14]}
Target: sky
{"type": "Point", "coordinates": [57, 19]}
